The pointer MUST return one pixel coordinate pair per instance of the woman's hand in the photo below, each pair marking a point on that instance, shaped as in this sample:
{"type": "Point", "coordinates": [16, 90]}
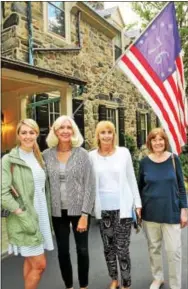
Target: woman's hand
{"type": "Point", "coordinates": [138, 211]}
{"type": "Point", "coordinates": [82, 224]}
{"type": "Point", "coordinates": [183, 218]}
{"type": "Point", "coordinates": [18, 211]}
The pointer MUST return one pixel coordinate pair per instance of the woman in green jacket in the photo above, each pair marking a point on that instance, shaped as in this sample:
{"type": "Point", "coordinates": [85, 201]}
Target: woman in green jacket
{"type": "Point", "coordinates": [28, 224]}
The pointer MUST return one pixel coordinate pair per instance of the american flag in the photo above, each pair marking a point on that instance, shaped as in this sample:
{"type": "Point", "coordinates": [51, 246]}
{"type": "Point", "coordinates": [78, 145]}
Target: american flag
{"type": "Point", "coordinates": [154, 64]}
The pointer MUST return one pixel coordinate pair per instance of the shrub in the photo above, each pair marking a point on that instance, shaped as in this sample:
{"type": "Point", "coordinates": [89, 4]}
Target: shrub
{"type": "Point", "coordinates": [131, 145]}
{"type": "Point", "coordinates": [184, 162]}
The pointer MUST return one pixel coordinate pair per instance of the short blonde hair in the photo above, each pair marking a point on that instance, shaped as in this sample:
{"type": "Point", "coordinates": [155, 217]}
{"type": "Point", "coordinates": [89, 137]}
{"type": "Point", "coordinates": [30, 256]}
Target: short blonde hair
{"type": "Point", "coordinates": [76, 140]}
{"type": "Point", "coordinates": [105, 124]}
{"type": "Point", "coordinates": [153, 133]}
{"type": "Point", "coordinates": [33, 125]}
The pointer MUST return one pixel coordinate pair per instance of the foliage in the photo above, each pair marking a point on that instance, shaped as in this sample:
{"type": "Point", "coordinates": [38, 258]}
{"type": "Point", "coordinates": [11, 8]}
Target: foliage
{"type": "Point", "coordinates": [131, 145]}
{"type": "Point", "coordinates": [148, 10]}
{"type": "Point", "coordinates": [184, 162]}
{"type": "Point", "coordinates": [29, 112]}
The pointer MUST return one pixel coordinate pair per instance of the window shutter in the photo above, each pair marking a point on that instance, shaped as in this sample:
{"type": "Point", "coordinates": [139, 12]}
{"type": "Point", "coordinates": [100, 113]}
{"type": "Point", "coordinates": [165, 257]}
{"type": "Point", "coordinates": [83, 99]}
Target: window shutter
{"type": "Point", "coordinates": [157, 122]}
{"type": "Point", "coordinates": [138, 129]}
{"type": "Point", "coordinates": [102, 112]}
{"type": "Point", "coordinates": [42, 118]}
{"type": "Point", "coordinates": [121, 116]}
{"type": "Point", "coordinates": [148, 123]}
{"type": "Point", "coordinates": [79, 116]}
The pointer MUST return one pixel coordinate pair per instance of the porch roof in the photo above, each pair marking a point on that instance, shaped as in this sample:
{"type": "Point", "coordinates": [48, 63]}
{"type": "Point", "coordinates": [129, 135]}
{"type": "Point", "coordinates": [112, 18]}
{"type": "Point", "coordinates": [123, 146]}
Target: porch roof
{"type": "Point", "coordinates": [25, 67]}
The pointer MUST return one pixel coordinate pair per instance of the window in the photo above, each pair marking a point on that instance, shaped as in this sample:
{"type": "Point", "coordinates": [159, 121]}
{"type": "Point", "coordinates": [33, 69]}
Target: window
{"type": "Point", "coordinates": [54, 111]}
{"type": "Point", "coordinates": [111, 115]}
{"type": "Point", "coordinates": [117, 46]}
{"type": "Point", "coordinates": [143, 126]}
{"type": "Point", "coordinates": [56, 18]}
{"type": "Point", "coordinates": [143, 117]}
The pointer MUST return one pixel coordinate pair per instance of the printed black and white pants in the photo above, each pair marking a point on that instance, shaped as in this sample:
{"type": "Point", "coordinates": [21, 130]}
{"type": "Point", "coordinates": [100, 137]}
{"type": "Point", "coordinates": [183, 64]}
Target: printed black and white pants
{"type": "Point", "coordinates": [115, 233]}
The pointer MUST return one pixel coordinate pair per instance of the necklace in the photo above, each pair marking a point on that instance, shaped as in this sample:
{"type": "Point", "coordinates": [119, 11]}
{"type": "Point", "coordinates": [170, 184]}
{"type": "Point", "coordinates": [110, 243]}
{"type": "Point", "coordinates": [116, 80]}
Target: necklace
{"type": "Point", "coordinates": [63, 151]}
{"type": "Point", "coordinates": [106, 154]}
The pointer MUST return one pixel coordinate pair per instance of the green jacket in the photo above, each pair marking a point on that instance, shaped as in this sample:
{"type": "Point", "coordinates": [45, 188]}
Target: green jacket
{"type": "Point", "coordinates": [22, 229]}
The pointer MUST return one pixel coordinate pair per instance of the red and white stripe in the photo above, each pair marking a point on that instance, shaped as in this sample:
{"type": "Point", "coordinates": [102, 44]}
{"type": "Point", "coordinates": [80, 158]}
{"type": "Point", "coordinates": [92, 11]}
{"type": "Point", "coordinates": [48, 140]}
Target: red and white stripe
{"type": "Point", "coordinates": [166, 98]}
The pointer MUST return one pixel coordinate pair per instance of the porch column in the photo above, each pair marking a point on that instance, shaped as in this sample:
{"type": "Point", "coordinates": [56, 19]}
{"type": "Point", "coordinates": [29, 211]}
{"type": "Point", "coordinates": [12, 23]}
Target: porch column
{"type": "Point", "coordinates": [66, 100]}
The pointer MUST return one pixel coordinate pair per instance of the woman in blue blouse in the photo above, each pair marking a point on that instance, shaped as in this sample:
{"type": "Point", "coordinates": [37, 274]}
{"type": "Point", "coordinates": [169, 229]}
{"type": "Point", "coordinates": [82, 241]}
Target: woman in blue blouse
{"type": "Point", "coordinates": [164, 204]}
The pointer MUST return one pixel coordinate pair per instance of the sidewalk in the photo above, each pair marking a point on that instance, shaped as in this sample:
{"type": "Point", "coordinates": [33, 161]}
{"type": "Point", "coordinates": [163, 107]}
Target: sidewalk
{"type": "Point", "coordinates": [11, 271]}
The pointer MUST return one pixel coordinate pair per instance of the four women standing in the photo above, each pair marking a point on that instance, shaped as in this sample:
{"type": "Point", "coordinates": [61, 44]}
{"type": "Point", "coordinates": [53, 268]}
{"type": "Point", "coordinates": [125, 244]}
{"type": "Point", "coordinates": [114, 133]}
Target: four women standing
{"type": "Point", "coordinates": [73, 182]}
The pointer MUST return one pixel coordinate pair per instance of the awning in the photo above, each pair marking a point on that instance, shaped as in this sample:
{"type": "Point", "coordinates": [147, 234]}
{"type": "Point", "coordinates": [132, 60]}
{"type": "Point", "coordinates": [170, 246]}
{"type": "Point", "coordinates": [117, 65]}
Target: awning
{"type": "Point", "coordinates": [42, 102]}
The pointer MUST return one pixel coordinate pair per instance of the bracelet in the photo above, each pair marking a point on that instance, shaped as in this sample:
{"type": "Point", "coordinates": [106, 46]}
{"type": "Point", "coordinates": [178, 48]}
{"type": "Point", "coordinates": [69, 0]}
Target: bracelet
{"type": "Point", "coordinates": [84, 214]}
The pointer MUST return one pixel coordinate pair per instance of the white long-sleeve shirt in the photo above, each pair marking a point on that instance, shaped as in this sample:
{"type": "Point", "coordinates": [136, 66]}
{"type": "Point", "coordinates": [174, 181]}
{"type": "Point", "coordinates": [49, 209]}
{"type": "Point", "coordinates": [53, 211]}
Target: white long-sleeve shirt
{"type": "Point", "coordinates": [127, 184]}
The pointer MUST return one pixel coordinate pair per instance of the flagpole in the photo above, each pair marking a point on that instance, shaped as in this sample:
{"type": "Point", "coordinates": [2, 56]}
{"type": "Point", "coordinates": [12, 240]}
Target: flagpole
{"type": "Point", "coordinates": [111, 69]}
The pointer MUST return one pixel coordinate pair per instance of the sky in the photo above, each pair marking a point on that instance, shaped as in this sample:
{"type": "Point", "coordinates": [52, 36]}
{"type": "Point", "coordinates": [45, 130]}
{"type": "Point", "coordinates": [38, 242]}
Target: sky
{"type": "Point", "coordinates": [128, 14]}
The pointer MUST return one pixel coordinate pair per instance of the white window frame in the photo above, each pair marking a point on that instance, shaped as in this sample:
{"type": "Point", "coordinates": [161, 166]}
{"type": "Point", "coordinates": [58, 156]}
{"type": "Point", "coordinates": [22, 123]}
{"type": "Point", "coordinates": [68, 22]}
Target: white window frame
{"type": "Point", "coordinates": [67, 38]}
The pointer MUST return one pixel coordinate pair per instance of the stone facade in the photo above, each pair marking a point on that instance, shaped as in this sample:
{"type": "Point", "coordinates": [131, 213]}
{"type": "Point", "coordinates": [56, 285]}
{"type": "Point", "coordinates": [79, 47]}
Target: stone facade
{"type": "Point", "coordinates": [91, 63]}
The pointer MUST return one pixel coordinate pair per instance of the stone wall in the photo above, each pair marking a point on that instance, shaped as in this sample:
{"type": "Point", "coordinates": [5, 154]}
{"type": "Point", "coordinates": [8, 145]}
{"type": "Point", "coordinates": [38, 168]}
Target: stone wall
{"type": "Point", "coordinates": [90, 63]}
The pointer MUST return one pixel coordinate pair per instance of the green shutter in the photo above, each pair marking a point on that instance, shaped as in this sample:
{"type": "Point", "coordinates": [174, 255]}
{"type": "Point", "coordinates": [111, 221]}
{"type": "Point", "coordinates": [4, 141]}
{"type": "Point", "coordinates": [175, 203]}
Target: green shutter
{"type": "Point", "coordinates": [138, 129]}
{"type": "Point", "coordinates": [79, 116]}
{"type": "Point", "coordinates": [148, 123]}
{"type": "Point", "coordinates": [102, 112]}
{"type": "Point", "coordinates": [121, 118]}
{"type": "Point", "coordinates": [157, 122]}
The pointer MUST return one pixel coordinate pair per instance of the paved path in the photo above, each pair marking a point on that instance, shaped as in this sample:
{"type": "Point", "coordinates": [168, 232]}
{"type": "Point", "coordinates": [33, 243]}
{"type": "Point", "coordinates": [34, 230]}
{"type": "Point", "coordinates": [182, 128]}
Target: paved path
{"type": "Point", "coordinates": [11, 271]}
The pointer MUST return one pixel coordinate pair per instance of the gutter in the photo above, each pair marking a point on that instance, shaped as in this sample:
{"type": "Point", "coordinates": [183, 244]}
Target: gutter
{"type": "Point", "coordinates": [30, 30]}
{"type": "Point", "coordinates": [68, 49]}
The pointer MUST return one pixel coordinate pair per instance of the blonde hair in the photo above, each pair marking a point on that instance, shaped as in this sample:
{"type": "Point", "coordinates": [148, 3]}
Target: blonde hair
{"type": "Point", "coordinates": [105, 124]}
{"type": "Point", "coordinates": [153, 133]}
{"type": "Point", "coordinates": [76, 140]}
{"type": "Point", "coordinates": [33, 125]}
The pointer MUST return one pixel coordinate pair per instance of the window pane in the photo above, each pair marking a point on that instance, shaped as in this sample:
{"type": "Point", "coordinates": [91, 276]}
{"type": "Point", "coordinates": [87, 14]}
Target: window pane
{"type": "Point", "coordinates": [59, 4]}
{"type": "Point", "coordinates": [143, 136]}
{"type": "Point", "coordinates": [56, 20]}
{"type": "Point", "coordinates": [56, 115]}
{"type": "Point", "coordinates": [51, 119]}
{"type": "Point", "coordinates": [117, 40]}
{"type": "Point", "coordinates": [143, 121]}
{"type": "Point", "coordinates": [51, 107]}
{"type": "Point", "coordinates": [56, 106]}
{"type": "Point", "coordinates": [111, 115]}
{"type": "Point", "coordinates": [118, 52]}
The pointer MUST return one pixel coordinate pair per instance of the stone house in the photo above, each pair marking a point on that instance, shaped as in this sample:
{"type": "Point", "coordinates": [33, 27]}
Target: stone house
{"type": "Point", "coordinates": [54, 54]}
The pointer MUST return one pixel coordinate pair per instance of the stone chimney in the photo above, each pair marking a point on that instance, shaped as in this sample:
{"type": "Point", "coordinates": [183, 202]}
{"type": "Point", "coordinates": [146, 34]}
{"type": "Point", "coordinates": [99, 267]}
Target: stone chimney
{"type": "Point", "coordinates": [96, 5]}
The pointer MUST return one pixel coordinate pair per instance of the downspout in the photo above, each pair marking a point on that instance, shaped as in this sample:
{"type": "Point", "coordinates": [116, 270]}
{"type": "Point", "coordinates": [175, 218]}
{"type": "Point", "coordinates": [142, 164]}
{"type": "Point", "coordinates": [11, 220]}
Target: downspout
{"type": "Point", "coordinates": [78, 29]}
{"type": "Point", "coordinates": [68, 49]}
{"type": "Point", "coordinates": [30, 31]}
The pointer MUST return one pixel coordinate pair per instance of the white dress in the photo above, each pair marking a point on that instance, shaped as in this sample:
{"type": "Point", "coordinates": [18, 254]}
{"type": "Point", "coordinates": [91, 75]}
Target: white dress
{"type": "Point", "coordinates": [40, 205]}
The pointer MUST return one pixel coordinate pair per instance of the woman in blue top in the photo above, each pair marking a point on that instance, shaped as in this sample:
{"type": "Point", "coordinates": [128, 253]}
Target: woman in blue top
{"type": "Point", "coordinates": [164, 204]}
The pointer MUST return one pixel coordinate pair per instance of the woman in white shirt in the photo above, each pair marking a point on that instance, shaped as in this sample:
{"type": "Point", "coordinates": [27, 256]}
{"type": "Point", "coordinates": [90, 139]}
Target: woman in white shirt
{"type": "Point", "coordinates": [116, 194]}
